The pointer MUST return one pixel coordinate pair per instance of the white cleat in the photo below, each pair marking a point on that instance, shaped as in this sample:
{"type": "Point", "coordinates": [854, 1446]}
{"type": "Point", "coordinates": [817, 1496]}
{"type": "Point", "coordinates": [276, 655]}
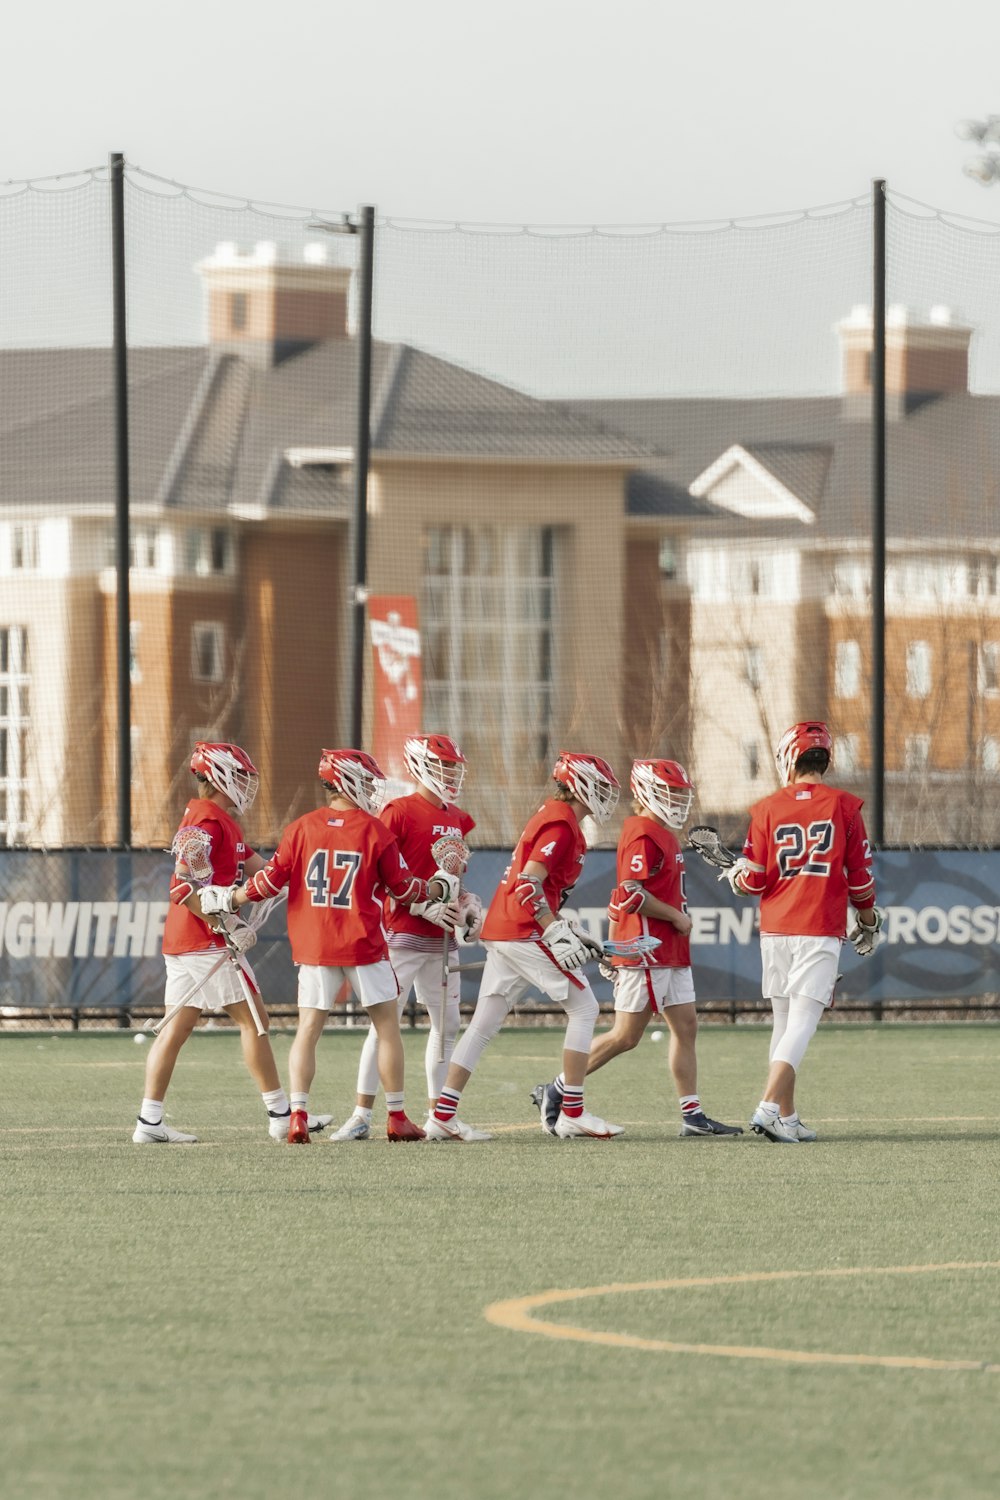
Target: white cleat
{"type": "Point", "coordinates": [773, 1127]}
{"type": "Point", "coordinates": [160, 1135]}
{"type": "Point", "coordinates": [354, 1129]}
{"type": "Point", "coordinates": [452, 1130]}
{"type": "Point", "coordinates": [803, 1132]}
{"type": "Point", "coordinates": [568, 1127]}
{"type": "Point", "coordinates": [277, 1125]}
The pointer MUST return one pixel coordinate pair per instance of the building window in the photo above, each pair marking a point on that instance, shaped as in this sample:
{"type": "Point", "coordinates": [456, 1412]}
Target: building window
{"type": "Point", "coordinates": [751, 759]}
{"type": "Point", "coordinates": [208, 551]}
{"type": "Point", "coordinates": [134, 669]}
{"type": "Point", "coordinates": [917, 752]}
{"type": "Point", "coordinates": [207, 652]}
{"type": "Point", "coordinates": [753, 666]}
{"type": "Point", "coordinates": [135, 752]}
{"type": "Point", "coordinates": [918, 669]}
{"type": "Point", "coordinates": [15, 687]}
{"type": "Point", "coordinates": [489, 640]}
{"type": "Point", "coordinates": [848, 757]}
{"type": "Point", "coordinates": [989, 754]}
{"type": "Point", "coordinates": [847, 669]}
{"type": "Point", "coordinates": [989, 669]}
{"type": "Point", "coordinates": [667, 558]}
{"type": "Point", "coordinates": [237, 311]}
{"type": "Point", "coordinates": [851, 580]}
{"type": "Point", "coordinates": [23, 548]}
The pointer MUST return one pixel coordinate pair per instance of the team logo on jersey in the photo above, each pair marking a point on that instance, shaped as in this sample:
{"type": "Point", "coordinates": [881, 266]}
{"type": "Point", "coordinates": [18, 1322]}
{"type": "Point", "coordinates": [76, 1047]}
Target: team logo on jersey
{"type": "Point", "coordinates": [446, 831]}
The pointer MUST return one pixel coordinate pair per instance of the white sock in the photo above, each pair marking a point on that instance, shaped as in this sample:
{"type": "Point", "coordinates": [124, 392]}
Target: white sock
{"type": "Point", "coordinates": [151, 1111]}
{"type": "Point", "coordinates": [394, 1104]}
{"type": "Point", "coordinates": [299, 1101]}
{"type": "Point", "coordinates": [768, 1106]}
{"type": "Point", "coordinates": [792, 1119]}
{"type": "Point", "coordinates": [361, 1113]}
{"type": "Point", "coordinates": [276, 1102]}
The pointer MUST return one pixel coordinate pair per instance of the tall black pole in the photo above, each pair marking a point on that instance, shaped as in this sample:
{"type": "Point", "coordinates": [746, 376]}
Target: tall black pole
{"type": "Point", "coordinates": [359, 596]}
{"type": "Point", "coordinates": [877, 821]}
{"type": "Point", "coordinates": [119, 359]}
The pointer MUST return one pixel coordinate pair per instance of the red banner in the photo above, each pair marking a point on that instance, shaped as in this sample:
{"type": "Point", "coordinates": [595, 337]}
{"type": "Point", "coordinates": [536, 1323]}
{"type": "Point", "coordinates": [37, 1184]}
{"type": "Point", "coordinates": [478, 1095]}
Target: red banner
{"type": "Point", "coordinates": [392, 622]}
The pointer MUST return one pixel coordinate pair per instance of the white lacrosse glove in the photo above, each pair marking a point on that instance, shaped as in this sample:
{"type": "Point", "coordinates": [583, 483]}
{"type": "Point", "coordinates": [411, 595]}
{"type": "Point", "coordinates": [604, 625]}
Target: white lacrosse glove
{"type": "Point", "coordinates": [447, 888]}
{"type": "Point", "coordinates": [239, 936]}
{"type": "Point", "coordinates": [470, 919]}
{"type": "Point", "coordinates": [864, 939]}
{"type": "Point", "coordinates": [607, 970]}
{"type": "Point", "coordinates": [215, 899]}
{"type": "Point", "coordinates": [730, 874]}
{"type": "Point", "coordinates": [567, 947]}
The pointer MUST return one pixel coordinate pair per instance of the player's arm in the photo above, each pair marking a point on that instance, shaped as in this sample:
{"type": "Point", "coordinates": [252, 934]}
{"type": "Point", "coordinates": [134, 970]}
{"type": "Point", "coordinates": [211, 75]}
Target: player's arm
{"type": "Point", "coordinates": [193, 849]}
{"type": "Point", "coordinates": [268, 880]}
{"type": "Point", "coordinates": [748, 876]}
{"type": "Point", "coordinates": [860, 876]}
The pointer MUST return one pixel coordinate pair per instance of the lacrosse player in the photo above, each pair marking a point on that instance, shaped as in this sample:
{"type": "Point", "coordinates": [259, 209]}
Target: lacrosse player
{"type": "Point", "coordinates": [806, 856]}
{"type": "Point", "coordinates": [336, 861]}
{"type": "Point", "coordinates": [437, 765]}
{"type": "Point", "coordinates": [529, 945]}
{"type": "Point", "coordinates": [208, 847]}
{"type": "Point", "coordinates": [649, 898]}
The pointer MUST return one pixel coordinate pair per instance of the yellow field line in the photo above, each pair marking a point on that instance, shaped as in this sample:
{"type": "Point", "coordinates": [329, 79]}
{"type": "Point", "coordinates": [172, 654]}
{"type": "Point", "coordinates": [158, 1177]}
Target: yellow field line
{"type": "Point", "coordinates": [515, 1314]}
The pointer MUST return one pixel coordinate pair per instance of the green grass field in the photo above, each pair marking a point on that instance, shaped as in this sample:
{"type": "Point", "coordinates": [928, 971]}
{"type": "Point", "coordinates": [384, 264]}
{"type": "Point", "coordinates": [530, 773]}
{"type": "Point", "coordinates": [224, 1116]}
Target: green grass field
{"type": "Point", "coordinates": [247, 1319]}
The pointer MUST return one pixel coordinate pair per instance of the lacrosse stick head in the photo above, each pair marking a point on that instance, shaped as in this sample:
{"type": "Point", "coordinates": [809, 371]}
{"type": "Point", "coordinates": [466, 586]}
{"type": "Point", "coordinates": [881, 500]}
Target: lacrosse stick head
{"type": "Point", "coordinates": [590, 780]}
{"type": "Point", "coordinates": [451, 855]}
{"type": "Point", "coordinates": [192, 851]}
{"type": "Point", "coordinates": [709, 845]}
{"type": "Point", "coordinates": [229, 769]}
{"type": "Point", "coordinates": [636, 947]}
{"type": "Point", "coordinates": [355, 775]}
{"type": "Point", "coordinates": [811, 734]}
{"type": "Point", "coordinates": [664, 789]}
{"type": "Point", "coordinates": [436, 762]}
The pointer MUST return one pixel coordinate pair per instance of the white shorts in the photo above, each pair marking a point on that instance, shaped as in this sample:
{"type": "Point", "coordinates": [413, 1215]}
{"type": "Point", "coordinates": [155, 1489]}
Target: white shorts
{"type": "Point", "coordinates": [422, 970]}
{"type": "Point", "coordinates": [512, 969]}
{"type": "Point", "coordinates": [222, 990]}
{"type": "Point", "coordinates": [798, 967]}
{"type": "Point", "coordinates": [319, 986]}
{"type": "Point", "coordinates": [635, 989]}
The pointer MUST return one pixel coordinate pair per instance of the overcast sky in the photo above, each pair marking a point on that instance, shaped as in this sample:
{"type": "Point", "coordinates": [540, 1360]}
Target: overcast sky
{"type": "Point", "coordinates": [534, 110]}
{"type": "Point", "coordinates": [542, 113]}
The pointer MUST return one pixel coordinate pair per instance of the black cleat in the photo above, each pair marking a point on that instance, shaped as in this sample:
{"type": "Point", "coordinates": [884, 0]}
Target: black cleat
{"type": "Point", "coordinates": [547, 1099]}
{"type": "Point", "coordinates": [700, 1124]}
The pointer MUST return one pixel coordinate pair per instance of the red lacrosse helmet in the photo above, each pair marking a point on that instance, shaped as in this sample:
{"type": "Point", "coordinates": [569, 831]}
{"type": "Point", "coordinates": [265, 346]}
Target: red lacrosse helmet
{"type": "Point", "coordinates": [809, 735]}
{"type": "Point", "coordinates": [437, 763]}
{"type": "Point", "coordinates": [353, 774]}
{"type": "Point", "coordinates": [591, 780]}
{"type": "Point", "coordinates": [229, 769]}
{"type": "Point", "coordinates": [664, 787]}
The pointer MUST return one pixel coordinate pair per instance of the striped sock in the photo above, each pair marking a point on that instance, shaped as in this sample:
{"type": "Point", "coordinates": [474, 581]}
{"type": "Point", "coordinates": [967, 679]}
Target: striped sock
{"type": "Point", "coordinates": [299, 1101]}
{"type": "Point", "coordinates": [447, 1106]}
{"type": "Point", "coordinates": [394, 1104]}
{"type": "Point", "coordinates": [572, 1103]}
{"type": "Point", "coordinates": [690, 1104]}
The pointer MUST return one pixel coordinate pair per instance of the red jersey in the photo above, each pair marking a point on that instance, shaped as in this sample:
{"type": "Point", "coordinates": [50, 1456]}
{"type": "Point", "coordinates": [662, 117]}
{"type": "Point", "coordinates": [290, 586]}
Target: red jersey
{"type": "Point", "coordinates": [808, 856]}
{"type": "Point", "coordinates": [183, 931]}
{"type": "Point", "coordinates": [337, 865]}
{"type": "Point", "coordinates": [650, 853]}
{"type": "Point", "coordinates": [416, 824]}
{"type": "Point", "coordinates": [553, 839]}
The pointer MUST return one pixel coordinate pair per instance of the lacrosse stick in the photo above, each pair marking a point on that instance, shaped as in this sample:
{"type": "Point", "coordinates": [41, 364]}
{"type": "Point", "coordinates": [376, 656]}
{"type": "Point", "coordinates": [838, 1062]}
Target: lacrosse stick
{"type": "Point", "coordinates": [626, 948]}
{"type": "Point", "coordinates": [451, 855]}
{"type": "Point", "coordinates": [706, 841]}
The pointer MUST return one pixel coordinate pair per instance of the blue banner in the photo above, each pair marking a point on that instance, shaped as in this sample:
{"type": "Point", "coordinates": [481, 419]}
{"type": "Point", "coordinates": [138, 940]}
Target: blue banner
{"type": "Point", "coordinates": [82, 928]}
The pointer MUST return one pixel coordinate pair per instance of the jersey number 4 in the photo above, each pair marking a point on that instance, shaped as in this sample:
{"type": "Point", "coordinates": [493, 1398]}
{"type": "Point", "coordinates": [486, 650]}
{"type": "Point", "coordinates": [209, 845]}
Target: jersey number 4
{"type": "Point", "coordinates": [335, 892]}
{"type": "Point", "coordinates": [801, 850]}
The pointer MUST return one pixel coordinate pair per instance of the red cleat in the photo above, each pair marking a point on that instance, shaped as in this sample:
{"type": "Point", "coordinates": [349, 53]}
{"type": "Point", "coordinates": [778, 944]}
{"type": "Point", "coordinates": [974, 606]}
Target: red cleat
{"type": "Point", "coordinates": [399, 1128]}
{"type": "Point", "coordinates": [298, 1128]}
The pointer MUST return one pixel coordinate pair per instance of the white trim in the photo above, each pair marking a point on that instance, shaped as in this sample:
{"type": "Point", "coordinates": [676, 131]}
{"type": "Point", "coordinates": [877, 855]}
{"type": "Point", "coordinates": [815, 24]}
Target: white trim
{"type": "Point", "coordinates": [787, 504]}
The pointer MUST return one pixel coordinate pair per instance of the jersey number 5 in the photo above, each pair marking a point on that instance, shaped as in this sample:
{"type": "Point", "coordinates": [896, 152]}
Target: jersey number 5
{"type": "Point", "coordinates": [801, 850]}
{"type": "Point", "coordinates": [321, 887]}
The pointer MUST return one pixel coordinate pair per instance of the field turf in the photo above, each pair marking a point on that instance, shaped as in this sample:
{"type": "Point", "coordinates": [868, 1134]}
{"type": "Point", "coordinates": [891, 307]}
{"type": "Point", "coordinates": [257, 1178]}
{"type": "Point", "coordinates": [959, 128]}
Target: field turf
{"type": "Point", "coordinates": [246, 1319]}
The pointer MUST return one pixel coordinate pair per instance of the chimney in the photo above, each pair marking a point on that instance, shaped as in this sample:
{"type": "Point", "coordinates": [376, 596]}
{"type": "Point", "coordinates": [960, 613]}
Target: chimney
{"type": "Point", "coordinates": [924, 358]}
{"type": "Point", "coordinates": [267, 306]}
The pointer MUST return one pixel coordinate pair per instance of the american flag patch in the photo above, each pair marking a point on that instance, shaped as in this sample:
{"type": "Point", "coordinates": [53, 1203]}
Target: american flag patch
{"type": "Point", "coordinates": [334, 822]}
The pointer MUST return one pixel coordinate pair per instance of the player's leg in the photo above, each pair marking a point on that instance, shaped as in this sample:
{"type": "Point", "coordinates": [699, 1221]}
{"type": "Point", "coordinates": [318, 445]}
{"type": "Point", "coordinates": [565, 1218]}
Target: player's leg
{"type": "Point", "coordinates": [160, 1060]}
{"type": "Point", "coordinates": [357, 1126]}
{"type": "Point", "coordinates": [808, 977]}
{"type": "Point", "coordinates": [377, 988]}
{"type": "Point", "coordinates": [317, 992]}
{"type": "Point", "coordinates": [500, 989]}
{"type": "Point", "coordinates": [580, 1004]}
{"type": "Point", "coordinates": [632, 1013]}
{"type": "Point", "coordinates": [443, 1016]}
{"type": "Point", "coordinates": [676, 1000]}
{"type": "Point", "coordinates": [625, 1035]}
